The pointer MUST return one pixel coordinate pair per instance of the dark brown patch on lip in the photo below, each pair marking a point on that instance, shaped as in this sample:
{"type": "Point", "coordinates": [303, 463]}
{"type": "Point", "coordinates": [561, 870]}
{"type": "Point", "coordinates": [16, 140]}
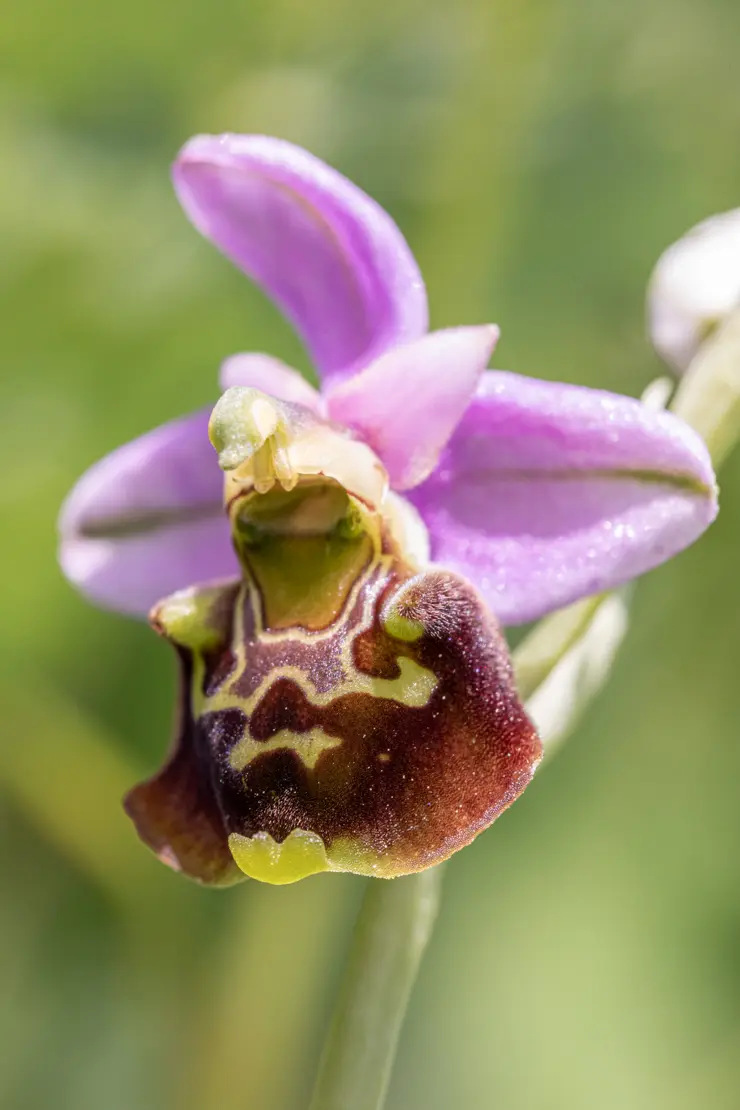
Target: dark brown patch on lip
{"type": "Point", "coordinates": [284, 706]}
{"type": "Point", "coordinates": [376, 655]}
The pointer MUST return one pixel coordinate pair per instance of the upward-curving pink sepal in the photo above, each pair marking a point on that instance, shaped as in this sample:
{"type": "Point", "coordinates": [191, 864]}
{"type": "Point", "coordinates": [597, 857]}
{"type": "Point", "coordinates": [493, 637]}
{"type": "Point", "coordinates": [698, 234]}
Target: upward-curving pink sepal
{"type": "Point", "coordinates": [324, 251]}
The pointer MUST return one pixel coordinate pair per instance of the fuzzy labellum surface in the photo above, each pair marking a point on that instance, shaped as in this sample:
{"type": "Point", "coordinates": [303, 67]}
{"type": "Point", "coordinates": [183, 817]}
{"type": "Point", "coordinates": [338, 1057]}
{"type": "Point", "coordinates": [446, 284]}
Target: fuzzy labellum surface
{"type": "Point", "coordinates": [342, 709]}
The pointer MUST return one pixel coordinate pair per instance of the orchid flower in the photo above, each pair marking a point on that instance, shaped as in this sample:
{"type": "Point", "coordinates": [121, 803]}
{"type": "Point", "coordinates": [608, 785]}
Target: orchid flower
{"type": "Point", "coordinates": [347, 695]}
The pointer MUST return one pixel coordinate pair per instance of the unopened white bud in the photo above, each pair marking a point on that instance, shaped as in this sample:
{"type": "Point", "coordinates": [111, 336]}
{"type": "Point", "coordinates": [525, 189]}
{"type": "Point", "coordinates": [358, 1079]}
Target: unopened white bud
{"type": "Point", "coordinates": [694, 287]}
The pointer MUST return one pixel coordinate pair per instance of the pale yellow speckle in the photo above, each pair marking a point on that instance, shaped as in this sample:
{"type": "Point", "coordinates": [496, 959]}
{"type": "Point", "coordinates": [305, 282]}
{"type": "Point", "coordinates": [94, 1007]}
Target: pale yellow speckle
{"type": "Point", "coordinates": [308, 746]}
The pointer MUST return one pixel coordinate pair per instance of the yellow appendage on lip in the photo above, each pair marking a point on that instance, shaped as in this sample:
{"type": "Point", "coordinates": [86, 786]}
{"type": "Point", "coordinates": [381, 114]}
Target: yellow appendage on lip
{"type": "Point", "coordinates": [260, 857]}
{"type": "Point", "coordinates": [300, 855]}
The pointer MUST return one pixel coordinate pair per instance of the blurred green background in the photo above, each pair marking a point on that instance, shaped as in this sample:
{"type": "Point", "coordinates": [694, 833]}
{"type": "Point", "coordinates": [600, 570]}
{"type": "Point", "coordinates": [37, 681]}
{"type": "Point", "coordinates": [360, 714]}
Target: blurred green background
{"type": "Point", "coordinates": [539, 154]}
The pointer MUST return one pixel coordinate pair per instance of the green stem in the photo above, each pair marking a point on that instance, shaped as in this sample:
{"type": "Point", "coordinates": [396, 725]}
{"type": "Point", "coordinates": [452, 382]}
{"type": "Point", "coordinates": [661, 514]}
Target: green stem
{"type": "Point", "coordinates": [392, 931]}
{"type": "Point", "coordinates": [708, 397]}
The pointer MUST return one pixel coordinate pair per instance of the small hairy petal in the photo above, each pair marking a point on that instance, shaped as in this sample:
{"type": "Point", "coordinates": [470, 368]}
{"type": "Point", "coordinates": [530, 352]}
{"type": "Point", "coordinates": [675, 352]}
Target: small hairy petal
{"type": "Point", "coordinates": [549, 492]}
{"type": "Point", "coordinates": [271, 376]}
{"type": "Point", "coordinates": [330, 257]}
{"type": "Point", "coordinates": [407, 404]}
{"type": "Point", "coordinates": [148, 519]}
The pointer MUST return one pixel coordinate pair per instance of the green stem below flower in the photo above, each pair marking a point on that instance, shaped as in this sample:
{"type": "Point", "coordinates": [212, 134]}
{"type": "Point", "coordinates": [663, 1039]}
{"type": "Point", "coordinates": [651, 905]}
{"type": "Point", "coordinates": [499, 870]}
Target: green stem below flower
{"type": "Point", "coordinates": [708, 396]}
{"type": "Point", "coordinates": [392, 931]}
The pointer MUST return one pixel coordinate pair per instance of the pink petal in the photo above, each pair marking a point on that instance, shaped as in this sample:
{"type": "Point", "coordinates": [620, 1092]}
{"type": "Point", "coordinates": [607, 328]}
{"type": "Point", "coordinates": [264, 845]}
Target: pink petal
{"type": "Point", "coordinates": [271, 376]}
{"type": "Point", "coordinates": [549, 492]}
{"type": "Point", "coordinates": [147, 519]}
{"type": "Point", "coordinates": [407, 404]}
{"type": "Point", "coordinates": [330, 256]}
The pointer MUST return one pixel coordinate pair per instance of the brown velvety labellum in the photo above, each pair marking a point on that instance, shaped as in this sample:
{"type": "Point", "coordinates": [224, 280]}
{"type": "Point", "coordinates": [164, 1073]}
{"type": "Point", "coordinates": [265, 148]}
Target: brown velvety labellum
{"type": "Point", "coordinates": [380, 743]}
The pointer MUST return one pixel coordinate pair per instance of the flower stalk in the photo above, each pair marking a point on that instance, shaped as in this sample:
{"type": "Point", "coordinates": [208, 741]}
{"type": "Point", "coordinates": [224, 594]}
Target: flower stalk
{"type": "Point", "coordinates": [708, 397]}
{"type": "Point", "coordinates": [393, 929]}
